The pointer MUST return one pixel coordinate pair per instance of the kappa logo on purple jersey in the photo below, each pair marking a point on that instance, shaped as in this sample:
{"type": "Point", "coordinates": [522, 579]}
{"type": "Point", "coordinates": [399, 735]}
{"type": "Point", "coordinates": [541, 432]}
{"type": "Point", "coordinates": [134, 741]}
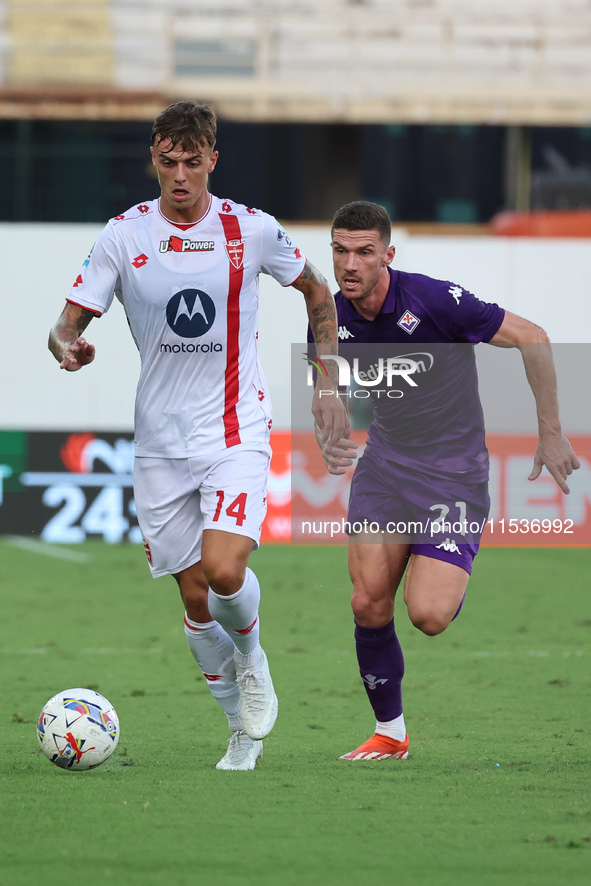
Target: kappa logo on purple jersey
{"type": "Point", "coordinates": [408, 322]}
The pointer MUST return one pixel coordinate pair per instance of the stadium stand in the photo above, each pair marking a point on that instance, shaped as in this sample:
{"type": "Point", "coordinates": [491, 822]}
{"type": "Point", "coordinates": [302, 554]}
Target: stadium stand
{"type": "Point", "coordinates": [414, 61]}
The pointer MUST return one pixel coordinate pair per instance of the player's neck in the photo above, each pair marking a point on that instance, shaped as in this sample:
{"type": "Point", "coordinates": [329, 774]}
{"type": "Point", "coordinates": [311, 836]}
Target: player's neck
{"type": "Point", "coordinates": [370, 306]}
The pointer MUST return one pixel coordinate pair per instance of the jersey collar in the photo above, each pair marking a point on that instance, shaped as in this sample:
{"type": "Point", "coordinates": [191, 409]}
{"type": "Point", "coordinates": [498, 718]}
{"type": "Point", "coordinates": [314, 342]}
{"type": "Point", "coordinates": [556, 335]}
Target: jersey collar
{"type": "Point", "coordinates": [389, 305]}
{"type": "Point", "coordinates": [191, 224]}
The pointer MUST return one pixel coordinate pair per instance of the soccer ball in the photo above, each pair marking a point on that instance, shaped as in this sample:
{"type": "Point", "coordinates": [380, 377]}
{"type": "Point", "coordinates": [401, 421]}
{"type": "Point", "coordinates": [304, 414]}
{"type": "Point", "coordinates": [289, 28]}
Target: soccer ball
{"type": "Point", "coordinates": [78, 729]}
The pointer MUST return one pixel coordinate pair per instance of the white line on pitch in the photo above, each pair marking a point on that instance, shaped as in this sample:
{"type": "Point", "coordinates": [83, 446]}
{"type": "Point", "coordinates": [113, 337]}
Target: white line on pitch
{"type": "Point", "coordinates": [42, 650]}
{"type": "Point", "coordinates": [47, 550]}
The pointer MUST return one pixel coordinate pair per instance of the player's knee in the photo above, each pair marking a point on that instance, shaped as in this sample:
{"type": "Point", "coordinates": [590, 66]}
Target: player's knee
{"type": "Point", "coordinates": [367, 610]}
{"type": "Point", "coordinates": [225, 577]}
{"type": "Point", "coordinates": [194, 597]}
{"type": "Point", "coordinates": [430, 623]}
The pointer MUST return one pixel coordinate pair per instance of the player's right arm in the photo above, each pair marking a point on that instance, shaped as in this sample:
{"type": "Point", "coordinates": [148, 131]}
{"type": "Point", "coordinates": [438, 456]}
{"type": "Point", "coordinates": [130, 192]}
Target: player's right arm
{"type": "Point", "coordinates": [66, 341]}
{"type": "Point", "coordinates": [328, 409]}
{"type": "Point", "coordinates": [90, 296]}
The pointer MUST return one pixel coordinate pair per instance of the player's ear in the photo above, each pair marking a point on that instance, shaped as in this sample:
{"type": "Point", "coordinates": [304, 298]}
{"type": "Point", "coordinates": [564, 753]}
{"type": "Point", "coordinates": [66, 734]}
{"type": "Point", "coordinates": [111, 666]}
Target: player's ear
{"type": "Point", "coordinates": [389, 255]}
{"type": "Point", "coordinates": [153, 153]}
{"type": "Point", "coordinates": [213, 160]}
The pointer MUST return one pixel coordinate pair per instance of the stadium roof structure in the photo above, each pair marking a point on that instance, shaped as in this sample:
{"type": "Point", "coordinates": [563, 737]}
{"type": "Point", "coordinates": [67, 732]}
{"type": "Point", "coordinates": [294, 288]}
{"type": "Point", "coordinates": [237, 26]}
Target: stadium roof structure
{"type": "Point", "coordinates": [509, 62]}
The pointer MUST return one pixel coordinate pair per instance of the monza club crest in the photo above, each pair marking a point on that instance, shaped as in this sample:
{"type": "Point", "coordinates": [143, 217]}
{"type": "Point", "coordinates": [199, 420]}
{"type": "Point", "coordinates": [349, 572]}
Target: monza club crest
{"type": "Point", "coordinates": [235, 250]}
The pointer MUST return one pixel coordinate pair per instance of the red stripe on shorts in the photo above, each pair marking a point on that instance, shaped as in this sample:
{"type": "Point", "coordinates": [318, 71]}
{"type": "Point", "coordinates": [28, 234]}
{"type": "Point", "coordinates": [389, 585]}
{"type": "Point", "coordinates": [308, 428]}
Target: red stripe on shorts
{"type": "Point", "coordinates": [231, 427]}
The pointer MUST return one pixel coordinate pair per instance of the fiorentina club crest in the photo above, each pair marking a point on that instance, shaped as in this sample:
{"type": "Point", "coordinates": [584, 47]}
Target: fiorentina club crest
{"type": "Point", "coordinates": [408, 322]}
{"type": "Point", "coordinates": [235, 250]}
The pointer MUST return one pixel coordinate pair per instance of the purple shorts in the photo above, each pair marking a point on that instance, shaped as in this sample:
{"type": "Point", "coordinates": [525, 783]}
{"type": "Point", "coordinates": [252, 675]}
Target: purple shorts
{"type": "Point", "coordinates": [440, 517]}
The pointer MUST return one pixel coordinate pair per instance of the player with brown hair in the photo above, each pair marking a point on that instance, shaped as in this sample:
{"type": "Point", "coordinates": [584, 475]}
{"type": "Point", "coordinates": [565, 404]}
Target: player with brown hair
{"type": "Point", "coordinates": [185, 267]}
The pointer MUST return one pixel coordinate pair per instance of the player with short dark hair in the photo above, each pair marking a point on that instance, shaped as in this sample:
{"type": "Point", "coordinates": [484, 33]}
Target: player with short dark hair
{"type": "Point", "coordinates": [186, 269]}
{"type": "Point", "coordinates": [425, 463]}
{"type": "Point", "coordinates": [364, 216]}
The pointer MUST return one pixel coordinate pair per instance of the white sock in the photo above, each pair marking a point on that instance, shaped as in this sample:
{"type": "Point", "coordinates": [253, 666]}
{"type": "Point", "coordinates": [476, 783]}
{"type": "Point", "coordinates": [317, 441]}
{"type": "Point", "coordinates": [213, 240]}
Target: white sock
{"type": "Point", "coordinates": [238, 614]}
{"type": "Point", "coordinates": [213, 651]}
{"type": "Point", "coordinates": [395, 729]}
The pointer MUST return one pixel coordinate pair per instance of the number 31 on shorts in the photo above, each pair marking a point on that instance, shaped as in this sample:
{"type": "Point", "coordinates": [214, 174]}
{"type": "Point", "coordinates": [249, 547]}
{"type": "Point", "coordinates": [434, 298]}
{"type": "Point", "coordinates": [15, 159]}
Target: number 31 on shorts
{"type": "Point", "coordinates": [236, 508]}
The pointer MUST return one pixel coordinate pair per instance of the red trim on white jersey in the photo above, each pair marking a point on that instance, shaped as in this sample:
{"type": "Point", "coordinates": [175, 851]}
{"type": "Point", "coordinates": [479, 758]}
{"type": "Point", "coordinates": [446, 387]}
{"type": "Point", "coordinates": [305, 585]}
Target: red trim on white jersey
{"type": "Point", "coordinates": [299, 275]}
{"type": "Point", "coordinates": [92, 310]}
{"type": "Point", "coordinates": [232, 382]}
{"type": "Point", "coordinates": [183, 227]}
{"type": "Point", "coordinates": [205, 214]}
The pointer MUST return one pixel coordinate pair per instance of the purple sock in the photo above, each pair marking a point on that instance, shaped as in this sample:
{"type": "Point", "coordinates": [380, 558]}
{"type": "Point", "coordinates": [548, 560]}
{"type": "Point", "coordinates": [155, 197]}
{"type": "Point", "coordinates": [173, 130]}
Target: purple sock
{"type": "Point", "coordinates": [381, 665]}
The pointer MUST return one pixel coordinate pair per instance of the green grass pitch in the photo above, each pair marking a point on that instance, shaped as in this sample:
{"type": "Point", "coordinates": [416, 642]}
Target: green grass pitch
{"type": "Point", "coordinates": [496, 790]}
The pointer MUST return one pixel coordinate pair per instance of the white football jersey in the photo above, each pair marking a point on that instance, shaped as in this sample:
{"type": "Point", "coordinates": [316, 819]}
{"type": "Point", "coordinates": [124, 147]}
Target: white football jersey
{"type": "Point", "coordinates": [190, 294]}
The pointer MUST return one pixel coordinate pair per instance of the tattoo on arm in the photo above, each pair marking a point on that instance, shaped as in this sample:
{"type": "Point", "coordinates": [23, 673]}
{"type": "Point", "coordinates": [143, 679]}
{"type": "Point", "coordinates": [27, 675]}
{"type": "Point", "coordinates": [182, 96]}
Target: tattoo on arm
{"type": "Point", "coordinates": [309, 279]}
{"type": "Point", "coordinates": [84, 319]}
{"type": "Point", "coordinates": [70, 325]}
{"type": "Point", "coordinates": [320, 303]}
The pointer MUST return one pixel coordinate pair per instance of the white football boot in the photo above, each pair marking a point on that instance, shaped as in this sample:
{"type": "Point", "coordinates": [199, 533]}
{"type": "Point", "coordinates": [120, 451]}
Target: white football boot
{"type": "Point", "coordinates": [257, 695]}
{"type": "Point", "coordinates": [243, 753]}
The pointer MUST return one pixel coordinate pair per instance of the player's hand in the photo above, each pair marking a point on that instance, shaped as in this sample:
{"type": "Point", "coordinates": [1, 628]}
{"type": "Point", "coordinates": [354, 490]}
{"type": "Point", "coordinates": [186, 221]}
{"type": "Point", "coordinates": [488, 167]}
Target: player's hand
{"type": "Point", "coordinates": [339, 456]}
{"type": "Point", "coordinates": [330, 416]}
{"type": "Point", "coordinates": [80, 353]}
{"type": "Point", "coordinates": [558, 456]}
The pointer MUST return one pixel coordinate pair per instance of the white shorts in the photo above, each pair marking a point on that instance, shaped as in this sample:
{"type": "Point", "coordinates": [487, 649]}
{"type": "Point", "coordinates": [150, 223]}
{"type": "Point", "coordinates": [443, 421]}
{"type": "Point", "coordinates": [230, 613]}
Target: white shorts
{"type": "Point", "coordinates": [177, 498]}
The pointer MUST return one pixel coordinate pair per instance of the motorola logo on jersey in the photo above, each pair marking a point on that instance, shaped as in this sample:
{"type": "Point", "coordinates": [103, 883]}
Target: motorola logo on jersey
{"type": "Point", "coordinates": [190, 313]}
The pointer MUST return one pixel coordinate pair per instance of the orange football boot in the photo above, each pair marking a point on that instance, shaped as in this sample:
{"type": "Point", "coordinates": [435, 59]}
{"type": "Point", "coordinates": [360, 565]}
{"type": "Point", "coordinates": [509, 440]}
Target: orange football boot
{"type": "Point", "coordinates": [379, 747]}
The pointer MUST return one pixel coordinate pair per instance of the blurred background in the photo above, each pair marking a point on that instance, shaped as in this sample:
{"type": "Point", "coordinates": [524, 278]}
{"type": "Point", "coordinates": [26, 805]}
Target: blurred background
{"type": "Point", "coordinates": [445, 111]}
{"type": "Point", "coordinates": [469, 121]}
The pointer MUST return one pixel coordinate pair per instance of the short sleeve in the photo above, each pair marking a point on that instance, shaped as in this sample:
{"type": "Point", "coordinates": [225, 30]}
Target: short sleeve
{"type": "Point", "coordinates": [280, 257]}
{"type": "Point", "coordinates": [466, 317]}
{"type": "Point", "coordinates": [98, 279]}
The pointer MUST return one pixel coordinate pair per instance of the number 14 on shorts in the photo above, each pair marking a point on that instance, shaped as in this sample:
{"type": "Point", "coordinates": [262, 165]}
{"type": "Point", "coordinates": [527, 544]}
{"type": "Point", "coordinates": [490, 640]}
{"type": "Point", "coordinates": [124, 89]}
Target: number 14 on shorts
{"type": "Point", "coordinates": [236, 508]}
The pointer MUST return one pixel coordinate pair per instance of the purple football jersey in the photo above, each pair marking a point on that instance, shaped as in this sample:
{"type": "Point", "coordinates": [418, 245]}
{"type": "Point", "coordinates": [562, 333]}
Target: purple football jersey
{"type": "Point", "coordinates": [435, 425]}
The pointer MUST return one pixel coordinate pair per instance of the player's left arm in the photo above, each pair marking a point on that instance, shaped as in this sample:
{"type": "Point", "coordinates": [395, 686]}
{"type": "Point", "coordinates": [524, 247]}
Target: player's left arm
{"type": "Point", "coordinates": [554, 450]}
{"type": "Point", "coordinates": [328, 410]}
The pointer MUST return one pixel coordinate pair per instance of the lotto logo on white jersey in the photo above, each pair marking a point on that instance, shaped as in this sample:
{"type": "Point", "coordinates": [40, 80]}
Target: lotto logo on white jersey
{"type": "Point", "coordinates": [190, 313]}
